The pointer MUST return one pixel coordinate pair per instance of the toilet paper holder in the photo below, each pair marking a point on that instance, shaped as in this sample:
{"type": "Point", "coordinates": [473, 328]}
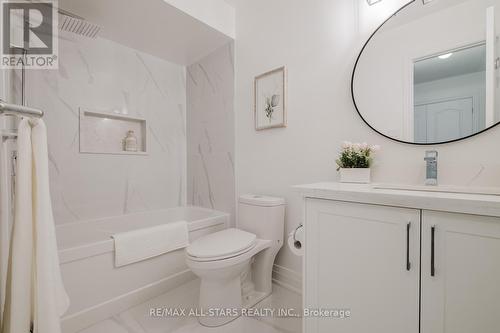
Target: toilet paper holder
{"type": "Point", "coordinates": [296, 243]}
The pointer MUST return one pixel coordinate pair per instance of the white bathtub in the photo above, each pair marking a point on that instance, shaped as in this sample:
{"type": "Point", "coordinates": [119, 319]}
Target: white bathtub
{"type": "Point", "coordinates": [96, 288]}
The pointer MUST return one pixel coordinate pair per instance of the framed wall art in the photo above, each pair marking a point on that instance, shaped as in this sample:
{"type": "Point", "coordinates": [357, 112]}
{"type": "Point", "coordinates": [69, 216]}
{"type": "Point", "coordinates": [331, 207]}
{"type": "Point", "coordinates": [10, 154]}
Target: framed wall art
{"type": "Point", "coordinates": [270, 99]}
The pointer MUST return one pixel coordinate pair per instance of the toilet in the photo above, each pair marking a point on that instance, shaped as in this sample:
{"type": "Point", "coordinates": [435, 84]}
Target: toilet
{"type": "Point", "coordinates": [235, 265]}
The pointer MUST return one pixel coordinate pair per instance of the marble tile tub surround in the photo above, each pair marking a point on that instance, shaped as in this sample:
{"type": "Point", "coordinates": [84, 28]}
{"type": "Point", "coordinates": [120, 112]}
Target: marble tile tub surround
{"type": "Point", "coordinates": [104, 76]}
{"type": "Point", "coordinates": [318, 41]}
{"type": "Point", "coordinates": [210, 128]}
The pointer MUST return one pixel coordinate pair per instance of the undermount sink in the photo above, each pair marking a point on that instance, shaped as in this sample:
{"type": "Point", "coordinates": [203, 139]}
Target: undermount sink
{"type": "Point", "coordinates": [440, 188]}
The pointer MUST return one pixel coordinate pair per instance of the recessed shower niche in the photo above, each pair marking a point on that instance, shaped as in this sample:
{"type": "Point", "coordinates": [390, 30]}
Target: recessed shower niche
{"type": "Point", "coordinates": [112, 133]}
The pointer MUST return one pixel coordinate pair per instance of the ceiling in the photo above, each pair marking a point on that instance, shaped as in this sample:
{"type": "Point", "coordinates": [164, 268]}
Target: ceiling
{"type": "Point", "coordinates": [150, 26]}
{"type": "Point", "coordinates": [468, 61]}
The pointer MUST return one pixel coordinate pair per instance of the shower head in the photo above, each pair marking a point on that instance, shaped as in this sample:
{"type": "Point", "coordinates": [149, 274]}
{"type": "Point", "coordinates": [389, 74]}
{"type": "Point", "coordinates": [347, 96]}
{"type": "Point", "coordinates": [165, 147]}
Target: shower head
{"type": "Point", "coordinates": [77, 25]}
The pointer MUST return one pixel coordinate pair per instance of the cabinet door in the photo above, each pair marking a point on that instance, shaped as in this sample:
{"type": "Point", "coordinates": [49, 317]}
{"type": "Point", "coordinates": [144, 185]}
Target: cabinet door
{"type": "Point", "coordinates": [462, 295]}
{"type": "Point", "coordinates": [356, 258]}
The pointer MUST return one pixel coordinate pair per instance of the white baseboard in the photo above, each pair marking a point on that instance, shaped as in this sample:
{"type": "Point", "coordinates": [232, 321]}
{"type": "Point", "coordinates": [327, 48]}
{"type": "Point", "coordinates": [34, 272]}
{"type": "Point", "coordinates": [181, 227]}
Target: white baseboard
{"type": "Point", "coordinates": [88, 317]}
{"type": "Point", "coordinates": [287, 278]}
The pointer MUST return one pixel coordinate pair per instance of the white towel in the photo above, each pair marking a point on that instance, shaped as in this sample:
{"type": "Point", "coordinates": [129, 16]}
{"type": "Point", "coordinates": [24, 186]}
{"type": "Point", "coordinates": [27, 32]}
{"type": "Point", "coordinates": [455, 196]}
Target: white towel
{"type": "Point", "coordinates": [7, 147]}
{"type": "Point", "coordinates": [35, 292]}
{"type": "Point", "coordinates": [142, 244]}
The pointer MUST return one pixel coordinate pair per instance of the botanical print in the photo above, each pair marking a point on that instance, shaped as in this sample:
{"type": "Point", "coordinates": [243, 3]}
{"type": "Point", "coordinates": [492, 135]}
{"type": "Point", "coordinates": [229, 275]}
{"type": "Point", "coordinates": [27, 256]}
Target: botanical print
{"type": "Point", "coordinates": [271, 103]}
{"type": "Point", "coordinates": [270, 99]}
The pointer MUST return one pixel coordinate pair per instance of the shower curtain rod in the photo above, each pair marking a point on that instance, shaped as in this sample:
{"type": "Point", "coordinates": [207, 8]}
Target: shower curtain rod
{"type": "Point", "coordinates": [14, 109]}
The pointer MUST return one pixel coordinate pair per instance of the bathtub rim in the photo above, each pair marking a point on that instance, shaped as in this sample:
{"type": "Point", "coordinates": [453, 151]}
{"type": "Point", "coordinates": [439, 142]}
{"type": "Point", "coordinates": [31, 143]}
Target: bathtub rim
{"type": "Point", "coordinates": [75, 253]}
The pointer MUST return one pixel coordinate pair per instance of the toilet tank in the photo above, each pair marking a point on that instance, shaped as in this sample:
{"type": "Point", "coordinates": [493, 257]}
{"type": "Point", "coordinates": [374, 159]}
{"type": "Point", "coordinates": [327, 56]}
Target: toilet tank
{"type": "Point", "coordinates": [262, 215]}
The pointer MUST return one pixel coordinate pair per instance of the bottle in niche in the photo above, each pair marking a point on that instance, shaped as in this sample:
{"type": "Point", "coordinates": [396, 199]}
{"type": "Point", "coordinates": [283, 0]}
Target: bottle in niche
{"type": "Point", "coordinates": [130, 142]}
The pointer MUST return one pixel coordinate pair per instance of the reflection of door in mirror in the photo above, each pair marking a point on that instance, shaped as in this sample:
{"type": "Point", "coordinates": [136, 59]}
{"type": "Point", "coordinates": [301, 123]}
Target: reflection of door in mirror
{"type": "Point", "coordinates": [444, 121]}
{"type": "Point", "coordinates": [450, 95]}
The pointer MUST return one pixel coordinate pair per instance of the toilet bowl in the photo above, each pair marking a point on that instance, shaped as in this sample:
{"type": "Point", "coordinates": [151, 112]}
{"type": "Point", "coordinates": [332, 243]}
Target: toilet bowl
{"type": "Point", "coordinates": [220, 260]}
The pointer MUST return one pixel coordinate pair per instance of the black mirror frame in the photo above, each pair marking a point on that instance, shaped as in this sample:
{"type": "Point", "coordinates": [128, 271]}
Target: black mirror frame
{"type": "Point", "coordinates": [373, 128]}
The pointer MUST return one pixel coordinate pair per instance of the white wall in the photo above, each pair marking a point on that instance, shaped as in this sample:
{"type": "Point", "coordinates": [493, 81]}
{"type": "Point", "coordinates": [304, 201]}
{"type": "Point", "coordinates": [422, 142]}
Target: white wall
{"type": "Point", "coordinates": [210, 131]}
{"type": "Point", "coordinates": [318, 41]}
{"type": "Point", "coordinates": [101, 75]}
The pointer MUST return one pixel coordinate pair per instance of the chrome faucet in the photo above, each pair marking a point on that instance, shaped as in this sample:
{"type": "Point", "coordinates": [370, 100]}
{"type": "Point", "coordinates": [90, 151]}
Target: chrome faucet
{"type": "Point", "coordinates": [431, 173]}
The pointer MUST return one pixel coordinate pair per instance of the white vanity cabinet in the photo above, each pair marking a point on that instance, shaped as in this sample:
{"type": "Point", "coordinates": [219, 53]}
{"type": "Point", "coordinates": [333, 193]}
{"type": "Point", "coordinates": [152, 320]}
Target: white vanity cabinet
{"type": "Point", "coordinates": [401, 261]}
{"type": "Point", "coordinates": [363, 258]}
{"type": "Point", "coordinates": [462, 295]}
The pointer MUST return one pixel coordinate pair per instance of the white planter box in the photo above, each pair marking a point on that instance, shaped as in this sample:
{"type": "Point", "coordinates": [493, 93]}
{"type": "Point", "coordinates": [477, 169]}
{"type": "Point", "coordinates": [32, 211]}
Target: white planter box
{"type": "Point", "coordinates": [361, 176]}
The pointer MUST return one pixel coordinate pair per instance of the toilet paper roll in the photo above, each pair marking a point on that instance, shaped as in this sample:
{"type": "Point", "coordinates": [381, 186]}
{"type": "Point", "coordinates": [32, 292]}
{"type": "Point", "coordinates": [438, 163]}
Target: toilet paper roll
{"type": "Point", "coordinates": [296, 241]}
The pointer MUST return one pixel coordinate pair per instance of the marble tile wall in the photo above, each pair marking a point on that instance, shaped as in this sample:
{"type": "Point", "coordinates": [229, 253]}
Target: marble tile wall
{"type": "Point", "coordinates": [104, 76]}
{"type": "Point", "coordinates": [210, 131]}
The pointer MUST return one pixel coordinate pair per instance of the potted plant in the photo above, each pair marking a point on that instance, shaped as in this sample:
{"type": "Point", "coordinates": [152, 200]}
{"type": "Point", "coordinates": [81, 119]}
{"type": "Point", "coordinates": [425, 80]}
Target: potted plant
{"type": "Point", "coordinates": [355, 161]}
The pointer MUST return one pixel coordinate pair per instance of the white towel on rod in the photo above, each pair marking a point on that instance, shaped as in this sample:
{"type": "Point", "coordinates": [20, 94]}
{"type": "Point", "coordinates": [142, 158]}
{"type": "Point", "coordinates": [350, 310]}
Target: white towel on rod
{"type": "Point", "coordinates": [35, 292]}
{"type": "Point", "coordinates": [142, 244]}
{"type": "Point", "coordinates": [7, 147]}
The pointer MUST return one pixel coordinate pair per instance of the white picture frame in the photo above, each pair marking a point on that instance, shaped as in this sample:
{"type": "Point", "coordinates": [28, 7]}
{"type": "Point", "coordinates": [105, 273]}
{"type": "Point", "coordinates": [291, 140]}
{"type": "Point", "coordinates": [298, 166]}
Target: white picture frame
{"type": "Point", "coordinates": [270, 100]}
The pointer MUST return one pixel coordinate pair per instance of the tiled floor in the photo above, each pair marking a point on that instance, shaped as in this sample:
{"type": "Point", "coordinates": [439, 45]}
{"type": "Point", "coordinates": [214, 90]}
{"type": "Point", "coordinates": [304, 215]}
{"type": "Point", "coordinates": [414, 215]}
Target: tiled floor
{"type": "Point", "coordinates": [138, 319]}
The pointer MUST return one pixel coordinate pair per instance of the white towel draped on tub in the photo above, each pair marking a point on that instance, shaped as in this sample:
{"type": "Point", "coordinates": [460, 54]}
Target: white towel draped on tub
{"type": "Point", "coordinates": [138, 245]}
{"type": "Point", "coordinates": [35, 293]}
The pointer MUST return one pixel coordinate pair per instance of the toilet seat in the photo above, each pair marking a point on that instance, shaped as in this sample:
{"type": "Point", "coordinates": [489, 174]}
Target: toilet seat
{"type": "Point", "coordinates": [221, 245]}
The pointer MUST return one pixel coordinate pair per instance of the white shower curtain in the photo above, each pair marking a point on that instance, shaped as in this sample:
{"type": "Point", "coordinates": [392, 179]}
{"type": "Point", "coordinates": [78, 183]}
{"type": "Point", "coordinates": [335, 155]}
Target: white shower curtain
{"type": "Point", "coordinates": [35, 295]}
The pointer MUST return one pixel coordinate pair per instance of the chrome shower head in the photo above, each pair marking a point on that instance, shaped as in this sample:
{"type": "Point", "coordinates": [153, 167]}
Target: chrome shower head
{"type": "Point", "coordinates": [78, 25]}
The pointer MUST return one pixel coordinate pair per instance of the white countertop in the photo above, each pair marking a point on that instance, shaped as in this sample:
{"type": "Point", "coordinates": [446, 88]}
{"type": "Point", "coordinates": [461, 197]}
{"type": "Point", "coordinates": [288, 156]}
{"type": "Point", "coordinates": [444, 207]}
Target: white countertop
{"type": "Point", "coordinates": [477, 204]}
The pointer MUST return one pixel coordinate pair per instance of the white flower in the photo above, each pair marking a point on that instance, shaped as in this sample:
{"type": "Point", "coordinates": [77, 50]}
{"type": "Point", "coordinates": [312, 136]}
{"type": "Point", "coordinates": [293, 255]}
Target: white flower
{"type": "Point", "coordinates": [375, 148]}
{"type": "Point", "coordinates": [356, 146]}
{"type": "Point", "coordinates": [364, 146]}
{"type": "Point", "coordinates": [347, 144]}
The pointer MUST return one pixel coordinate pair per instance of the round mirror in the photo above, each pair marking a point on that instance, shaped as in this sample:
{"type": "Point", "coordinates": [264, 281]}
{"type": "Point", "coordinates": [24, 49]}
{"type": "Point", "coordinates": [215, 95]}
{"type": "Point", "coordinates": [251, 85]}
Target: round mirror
{"type": "Point", "coordinates": [430, 74]}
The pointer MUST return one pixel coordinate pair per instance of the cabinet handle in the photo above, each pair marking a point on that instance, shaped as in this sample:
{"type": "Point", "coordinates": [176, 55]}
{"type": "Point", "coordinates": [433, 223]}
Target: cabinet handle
{"type": "Point", "coordinates": [433, 267]}
{"type": "Point", "coordinates": [408, 263]}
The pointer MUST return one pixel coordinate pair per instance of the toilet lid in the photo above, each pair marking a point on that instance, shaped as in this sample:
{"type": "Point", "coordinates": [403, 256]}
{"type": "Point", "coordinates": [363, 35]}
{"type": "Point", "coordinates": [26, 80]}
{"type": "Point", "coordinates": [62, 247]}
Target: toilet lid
{"type": "Point", "coordinates": [222, 244]}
